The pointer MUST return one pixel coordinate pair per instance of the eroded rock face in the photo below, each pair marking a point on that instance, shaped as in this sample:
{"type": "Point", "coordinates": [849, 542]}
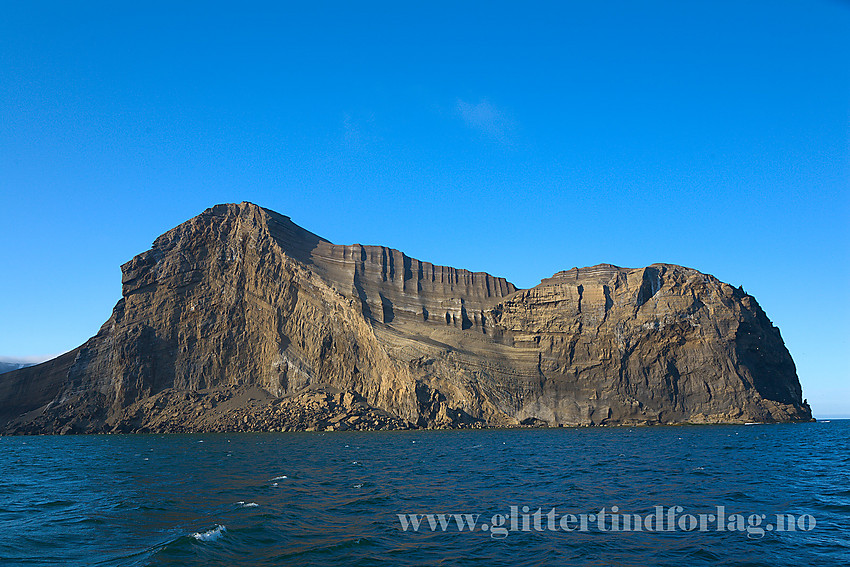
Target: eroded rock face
{"type": "Point", "coordinates": [240, 297]}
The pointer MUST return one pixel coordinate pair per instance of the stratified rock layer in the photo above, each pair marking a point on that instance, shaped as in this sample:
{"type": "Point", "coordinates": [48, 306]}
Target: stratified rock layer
{"type": "Point", "coordinates": [241, 299]}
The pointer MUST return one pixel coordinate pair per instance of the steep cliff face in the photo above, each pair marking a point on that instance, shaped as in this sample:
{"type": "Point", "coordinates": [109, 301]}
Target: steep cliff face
{"type": "Point", "coordinates": [241, 299]}
{"type": "Point", "coordinates": [654, 345]}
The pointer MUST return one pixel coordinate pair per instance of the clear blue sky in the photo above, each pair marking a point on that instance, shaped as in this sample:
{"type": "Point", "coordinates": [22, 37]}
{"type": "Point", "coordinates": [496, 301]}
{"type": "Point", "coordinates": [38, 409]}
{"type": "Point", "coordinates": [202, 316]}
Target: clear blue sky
{"type": "Point", "coordinates": [515, 138]}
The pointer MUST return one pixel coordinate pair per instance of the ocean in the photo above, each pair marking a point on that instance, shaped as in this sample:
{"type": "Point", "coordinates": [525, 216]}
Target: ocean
{"type": "Point", "coordinates": [685, 495]}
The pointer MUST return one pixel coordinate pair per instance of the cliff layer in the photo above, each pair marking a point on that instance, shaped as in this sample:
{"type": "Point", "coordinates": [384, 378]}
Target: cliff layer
{"type": "Point", "coordinates": [240, 300]}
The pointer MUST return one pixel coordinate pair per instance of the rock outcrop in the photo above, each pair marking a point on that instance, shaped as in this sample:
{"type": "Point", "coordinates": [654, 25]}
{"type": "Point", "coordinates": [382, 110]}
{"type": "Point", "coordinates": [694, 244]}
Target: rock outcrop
{"type": "Point", "coordinates": [240, 319]}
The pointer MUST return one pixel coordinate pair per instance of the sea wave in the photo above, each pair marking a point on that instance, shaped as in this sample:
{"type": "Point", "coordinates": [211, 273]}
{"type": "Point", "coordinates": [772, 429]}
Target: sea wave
{"type": "Point", "coordinates": [210, 535]}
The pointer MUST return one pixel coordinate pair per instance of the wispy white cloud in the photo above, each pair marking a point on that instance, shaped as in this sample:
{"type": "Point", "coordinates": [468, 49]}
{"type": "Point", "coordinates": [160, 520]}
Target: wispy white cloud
{"type": "Point", "coordinates": [486, 118]}
{"type": "Point", "coordinates": [359, 131]}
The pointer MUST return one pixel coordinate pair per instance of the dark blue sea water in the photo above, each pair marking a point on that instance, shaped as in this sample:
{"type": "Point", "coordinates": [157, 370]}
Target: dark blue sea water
{"type": "Point", "coordinates": [334, 498]}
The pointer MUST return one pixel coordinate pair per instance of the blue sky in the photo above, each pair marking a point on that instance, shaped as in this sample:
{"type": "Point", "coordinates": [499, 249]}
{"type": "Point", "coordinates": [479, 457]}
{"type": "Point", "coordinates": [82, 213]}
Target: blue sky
{"type": "Point", "coordinates": [514, 138]}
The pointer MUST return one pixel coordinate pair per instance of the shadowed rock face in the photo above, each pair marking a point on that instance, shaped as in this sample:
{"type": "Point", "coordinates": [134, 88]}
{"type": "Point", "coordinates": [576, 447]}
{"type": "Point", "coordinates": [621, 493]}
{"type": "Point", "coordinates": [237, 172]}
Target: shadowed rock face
{"type": "Point", "coordinates": [239, 299]}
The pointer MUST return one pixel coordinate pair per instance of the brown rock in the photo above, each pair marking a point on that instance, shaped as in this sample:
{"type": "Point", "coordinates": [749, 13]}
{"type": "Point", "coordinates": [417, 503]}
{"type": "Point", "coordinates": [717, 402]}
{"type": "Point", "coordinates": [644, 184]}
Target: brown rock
{"type": "Point", "coordinates": [239, 309]}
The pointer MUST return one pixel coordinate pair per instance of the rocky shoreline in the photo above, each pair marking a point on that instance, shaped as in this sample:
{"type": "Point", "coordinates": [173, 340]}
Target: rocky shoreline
{"type": "Point", "coordinates": [251, 409]}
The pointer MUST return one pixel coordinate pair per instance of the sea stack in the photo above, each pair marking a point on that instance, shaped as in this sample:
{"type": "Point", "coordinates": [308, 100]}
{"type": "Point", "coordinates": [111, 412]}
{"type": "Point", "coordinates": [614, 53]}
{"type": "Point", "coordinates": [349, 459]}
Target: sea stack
{"type": "Point", "coordinates": [239, 319]}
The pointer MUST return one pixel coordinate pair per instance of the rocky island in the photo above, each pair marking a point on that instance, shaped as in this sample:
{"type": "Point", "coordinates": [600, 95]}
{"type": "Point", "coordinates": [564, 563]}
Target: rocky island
{"type": "Point", "coordinates": [240, 320]}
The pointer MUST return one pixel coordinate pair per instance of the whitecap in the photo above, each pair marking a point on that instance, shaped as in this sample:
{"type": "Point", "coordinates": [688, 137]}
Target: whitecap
{"type": "Point", "coordinates": [279, 477]}
{"type": "Point", "coordinates": [210, 535]}
{"type": "Point", "coordinates": [244, 504]}
{"type": "Point", "coordinates": [359, 485]}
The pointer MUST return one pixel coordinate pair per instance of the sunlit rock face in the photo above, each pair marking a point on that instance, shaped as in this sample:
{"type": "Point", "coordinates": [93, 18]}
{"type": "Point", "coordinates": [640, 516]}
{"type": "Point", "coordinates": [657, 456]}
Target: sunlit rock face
{"type": "Point", "coordinates": [240, 299]}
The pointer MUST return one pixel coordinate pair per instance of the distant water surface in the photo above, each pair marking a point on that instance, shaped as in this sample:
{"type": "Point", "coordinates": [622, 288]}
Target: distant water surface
{"type": "Point", "coordinates": [334, 498]}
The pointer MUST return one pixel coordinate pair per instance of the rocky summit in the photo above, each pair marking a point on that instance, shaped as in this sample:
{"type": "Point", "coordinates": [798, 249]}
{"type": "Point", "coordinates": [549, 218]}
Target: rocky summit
{"type": "Point", "coordinates": [239, 319]}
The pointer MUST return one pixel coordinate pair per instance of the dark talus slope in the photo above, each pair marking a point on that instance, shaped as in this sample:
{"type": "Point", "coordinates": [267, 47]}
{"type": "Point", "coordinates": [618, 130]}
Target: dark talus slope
{"type": "Point", "coordinates": [240, 300]}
